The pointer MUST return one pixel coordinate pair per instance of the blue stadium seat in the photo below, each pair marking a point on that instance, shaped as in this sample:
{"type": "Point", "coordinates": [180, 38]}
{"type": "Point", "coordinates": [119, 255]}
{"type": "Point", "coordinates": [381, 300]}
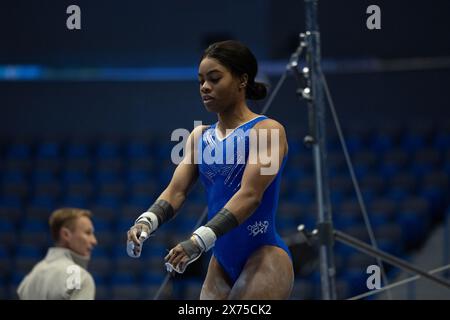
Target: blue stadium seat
{"type": "Point", "coordinates": [341, 184]}
{"type": "Point", "coordinates": [124, 287]}
{"type": "Point", "coordinates": [126, 292]}
{"type": "Point", "coordinates": [134, 176]}
{"type": "Point", "coordinates": [150, 278]}
{"type": "Point", "coordinates": [137, 149]}
{"type": "Point", "coordinates": [74, 201]}
{"type": "Point", "coordinates": [101, 264]}
{"type": "Point", "coordinates": [295, 146]}
{"type": "Point", "coordinates": [412, 142]}
{"type": "Point", "coordinates": [193, 210]}
{"type": "Point", "coordinates": [10, 208]}
{"type": "Point", "coordinates": [436, 199]}
{"type": "Point", "coordinates": [358, 231]}
{"type": "Point", "coordinates": [302, 160]}
{"type": "Point", "coordinates": [107, 150]}
{"type": "Point", "coordinates": [5, 260]}
{"type": "Point", "coordinates": [26, 256]}
{"type": "Point", "coordinates": [390, 246]}
{"type": "Point", "coordinates": [388, 170]}
{"type": "Point", "coordinates": [429, 156]}
{"type": "Point", "coordinates": [77, 150]}
{"type": "Point", "coordinates": [165, 175]}
{"type": "Point", "coordinates": [51, 189]}
{"type": "Point", "coordinates": [83, 190]}
{"type": "Point", "coordinates": [381, 143]}
{"type": "Point", "coordinates": [361, 170]}
{"type": "Point", "coordinates": [442, 141]}
{"type": "Point", "coordinates": [302, 290]}
{"type": "Point", "coordinates": [192, 288]}
{"type": "Point", "coordinates": [343, 222]}
{"type": "Point", "coordinates": [359, 261]}
{"type": "Point", "coordinates": [348, 208]}
{"type": "Point", "coordinates": [105, 238]}
{"type": "Point", "coordinates": [397, 194]}
{"type": "Point", "coordinates": [285, 188]}
{"type": "Point", "coordinates": [421, 169]}
{"type": "Point", "coordinates": [48, 150]}
{"type": "Point", "coordinates": [45, 202]}
{"type": "Point", "coordinates": [79, 164]}
{"type": "Point", "coordinates": [19, 151]}
{"type": "Point", "coordinates": [43, 176]}
{"type": "Point", "coordinates": [106, 176]}
{"type": "Point", "coordinates": [437, 179]}
{"type": "Point", "coordinates": [34, 232]}
{"type": "Point", "coordinates": [356, 279]}
{"type": "Point", "coordinates": [366, 158]}
{"type": "Point", "coordinates": [142, 163]}
{"type": "Point", "coordinates": [17, 277]}
{"type": "Point", "coordinates": [102, 292]}
{"type": "Point", "coordinates": [13, 176]}
{"type": "Point", "coordinates": [163, 151]}
{"type": "Point", "coordinates": [102, 223]}
{"type": "Point", "coordinates": [404, 180]}
{"type": "Point", "coordinates": [123, 278]}
{"type": "Point", "coordinates": [184, 224]}
{"type": "Point", "coordinates": [107, 202]}
{"type": "Point", "coordinates": [384, 206]}
{"type": "Point", "coordinates": [344, 250]}
{"type": "Point", "coordinates": [144, 189]}
{"type": "Point", "coordinates": [123, 224]}
{"type": "Point", "coordinates": [374, 182]}
{"type": "Point", "coordinates": [154, 265]}
{"type": "Point", "coordinates": [354, 143]}
{"type": "Point", "coordinates": [413, 231]}
{"type": "Point", "coordinates": [304, 198]}
{"type": "Point", "coordinates": [73, 176]}
{"type": "Point", "coordinates": [122, 263]}
{"type": "Point", "coordinates": [342, 289]}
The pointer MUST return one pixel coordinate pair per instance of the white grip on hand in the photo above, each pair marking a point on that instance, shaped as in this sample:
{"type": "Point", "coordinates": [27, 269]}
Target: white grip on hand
{"type": "Point", "coordinates": [150, 218]}
{"type": "Point", "coordinates": [205, 237]}
{"type": "Point", "coordinates": [143, 236]}
{"type": "Point", "coordinates": [130, 250]}
{"type": "Point", "coordinates": [131, 247]}
{"type": "Point", "coordinates": [181, 267]}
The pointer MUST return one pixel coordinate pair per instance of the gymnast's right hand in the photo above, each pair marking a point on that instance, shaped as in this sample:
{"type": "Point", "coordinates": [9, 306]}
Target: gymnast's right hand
{"type": "Point", "coordinates": [136, 237]}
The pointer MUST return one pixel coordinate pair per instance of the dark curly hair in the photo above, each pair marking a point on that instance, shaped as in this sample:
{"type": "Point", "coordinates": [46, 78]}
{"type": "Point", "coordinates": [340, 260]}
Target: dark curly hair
{"type": "Point", "coordinates": [237, 58]}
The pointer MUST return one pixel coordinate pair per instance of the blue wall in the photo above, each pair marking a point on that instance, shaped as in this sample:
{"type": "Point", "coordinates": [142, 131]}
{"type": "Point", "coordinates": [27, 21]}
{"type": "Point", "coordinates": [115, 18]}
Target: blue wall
{"type": "Point", "coordinates": [174, 33]}
{"type": "Point", "coordinates": [134, 108]}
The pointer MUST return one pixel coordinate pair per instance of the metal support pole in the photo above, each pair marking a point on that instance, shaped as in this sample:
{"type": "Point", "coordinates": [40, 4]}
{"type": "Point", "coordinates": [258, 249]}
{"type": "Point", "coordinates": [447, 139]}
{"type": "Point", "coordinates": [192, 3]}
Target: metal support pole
{"type": "Point", "coordinates": [365, 248]}
{"type": "Point", "coordinates": [446, 246]}
{"type": "Point", "coordinates": [318, 142]}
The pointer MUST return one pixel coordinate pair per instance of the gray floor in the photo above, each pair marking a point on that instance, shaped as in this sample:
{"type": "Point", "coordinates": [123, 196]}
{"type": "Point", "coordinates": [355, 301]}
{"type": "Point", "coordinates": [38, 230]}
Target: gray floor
{"type": "Point", "coordinates": [430, 256]}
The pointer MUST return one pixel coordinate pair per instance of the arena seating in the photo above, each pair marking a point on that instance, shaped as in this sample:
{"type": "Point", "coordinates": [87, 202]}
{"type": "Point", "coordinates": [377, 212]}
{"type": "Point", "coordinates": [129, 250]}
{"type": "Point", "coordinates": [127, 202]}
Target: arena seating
{"type": "Point", "coordinates": [404, 177]}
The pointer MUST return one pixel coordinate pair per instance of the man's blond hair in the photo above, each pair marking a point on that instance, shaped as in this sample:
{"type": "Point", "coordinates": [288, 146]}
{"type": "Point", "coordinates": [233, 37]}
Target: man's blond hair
{"type": "Point", "coordinates": [65, 217]}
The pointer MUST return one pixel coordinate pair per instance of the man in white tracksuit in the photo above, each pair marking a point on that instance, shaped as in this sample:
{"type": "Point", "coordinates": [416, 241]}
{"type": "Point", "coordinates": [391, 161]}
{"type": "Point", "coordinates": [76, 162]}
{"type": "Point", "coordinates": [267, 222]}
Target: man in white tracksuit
{"type": "Point", "coordinates": [62, 274]}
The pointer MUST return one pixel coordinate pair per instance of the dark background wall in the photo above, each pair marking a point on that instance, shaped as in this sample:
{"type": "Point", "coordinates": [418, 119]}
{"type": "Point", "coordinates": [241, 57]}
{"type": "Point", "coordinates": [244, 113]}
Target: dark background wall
{"type": "Point", "coordinates": [174, 33]}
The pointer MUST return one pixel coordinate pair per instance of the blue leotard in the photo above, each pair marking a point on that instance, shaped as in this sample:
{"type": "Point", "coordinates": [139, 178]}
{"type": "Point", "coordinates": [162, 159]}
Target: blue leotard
{"type": "Point", "coordinates": [221, 168]}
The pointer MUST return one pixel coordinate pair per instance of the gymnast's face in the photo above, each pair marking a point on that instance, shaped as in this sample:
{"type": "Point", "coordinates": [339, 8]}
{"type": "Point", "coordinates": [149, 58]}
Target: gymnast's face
{"type": "Point", "coordinates": [219, 89]}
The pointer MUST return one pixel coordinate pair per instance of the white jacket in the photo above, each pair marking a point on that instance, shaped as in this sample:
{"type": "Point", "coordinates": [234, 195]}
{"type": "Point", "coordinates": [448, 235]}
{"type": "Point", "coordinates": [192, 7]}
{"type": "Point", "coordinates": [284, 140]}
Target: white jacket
{"type": "Point", "coordinates": [61, 275]}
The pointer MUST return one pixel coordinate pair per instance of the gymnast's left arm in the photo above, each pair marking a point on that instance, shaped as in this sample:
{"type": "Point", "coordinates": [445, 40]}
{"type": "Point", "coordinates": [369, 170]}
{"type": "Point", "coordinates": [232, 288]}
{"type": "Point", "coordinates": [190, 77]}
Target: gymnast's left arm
{"type": "Point", "coordinates": [262, 166]}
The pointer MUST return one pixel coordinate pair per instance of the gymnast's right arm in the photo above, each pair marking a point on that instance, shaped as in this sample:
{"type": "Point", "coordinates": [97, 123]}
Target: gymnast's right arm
{"type": "Point", "coordinates": [171, 199]}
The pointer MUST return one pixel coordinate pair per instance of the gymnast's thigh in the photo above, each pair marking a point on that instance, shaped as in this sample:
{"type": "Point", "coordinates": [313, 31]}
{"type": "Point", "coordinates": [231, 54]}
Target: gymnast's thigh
{"type": "Point", "coordinates": [267, 274]}
{"type": "Point", "coordinates": [216, 285]}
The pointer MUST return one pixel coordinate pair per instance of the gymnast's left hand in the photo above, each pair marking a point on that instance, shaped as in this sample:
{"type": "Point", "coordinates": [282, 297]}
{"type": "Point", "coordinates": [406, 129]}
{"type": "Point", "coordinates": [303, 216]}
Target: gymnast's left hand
{"type": "Point", "coordinates": [182, 255]}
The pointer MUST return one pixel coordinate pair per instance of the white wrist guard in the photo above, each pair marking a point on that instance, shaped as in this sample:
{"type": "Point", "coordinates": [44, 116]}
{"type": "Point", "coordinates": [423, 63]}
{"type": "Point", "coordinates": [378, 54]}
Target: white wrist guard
{"type": "Point", "coordinates": [148, 218]}
{"type": "Point", "coordinates": [205, 237]}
